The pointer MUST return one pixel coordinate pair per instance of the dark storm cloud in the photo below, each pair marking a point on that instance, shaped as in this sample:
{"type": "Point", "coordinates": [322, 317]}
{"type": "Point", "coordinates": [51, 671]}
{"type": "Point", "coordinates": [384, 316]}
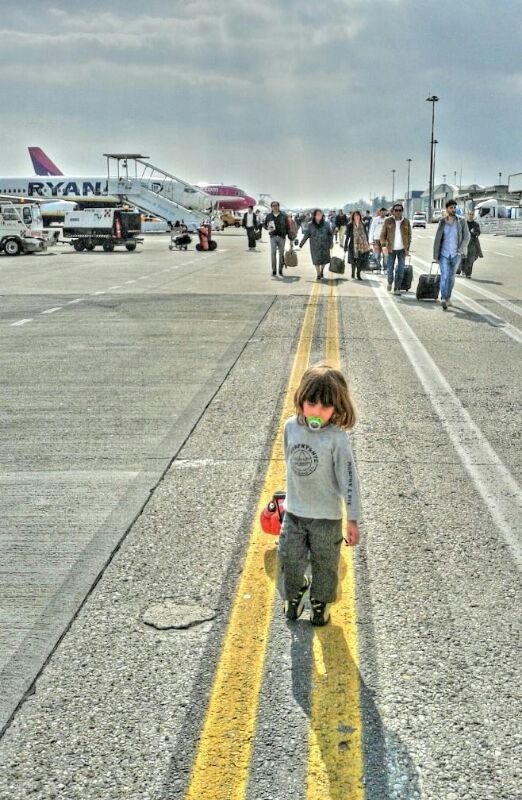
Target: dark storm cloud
{"type": "Point", "coordinates": [310, 102]}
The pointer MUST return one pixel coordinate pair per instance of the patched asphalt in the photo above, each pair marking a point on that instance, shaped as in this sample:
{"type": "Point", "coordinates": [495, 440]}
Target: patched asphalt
{"type": "Point", "coordinates": [173, 385]}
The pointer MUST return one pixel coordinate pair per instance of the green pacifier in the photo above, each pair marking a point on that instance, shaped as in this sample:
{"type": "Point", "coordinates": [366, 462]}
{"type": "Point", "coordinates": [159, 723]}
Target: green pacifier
{"type": "Point", "coordinates": [314, 423]}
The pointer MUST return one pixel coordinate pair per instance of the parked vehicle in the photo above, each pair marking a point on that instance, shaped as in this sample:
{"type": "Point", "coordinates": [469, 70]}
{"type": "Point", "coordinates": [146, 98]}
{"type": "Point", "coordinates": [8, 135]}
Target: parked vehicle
{"type": "Point", "coordinates": [230, 219]}
{"type": "Point", "coordinates": [105, 227]}
{"type": "Point", "coordinates": [418, 220]}
{"type": "Point", "coordinates": [21, 228]}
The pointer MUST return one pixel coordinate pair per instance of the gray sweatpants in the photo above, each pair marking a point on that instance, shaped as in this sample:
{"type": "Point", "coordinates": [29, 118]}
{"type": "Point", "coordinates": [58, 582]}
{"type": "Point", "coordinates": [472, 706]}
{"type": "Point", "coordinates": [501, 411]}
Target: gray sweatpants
{"type": "Point", "coordinates": [318, 539]}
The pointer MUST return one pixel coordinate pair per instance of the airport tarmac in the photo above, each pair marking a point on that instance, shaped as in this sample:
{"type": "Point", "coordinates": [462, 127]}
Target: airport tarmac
{"type": "Point", "coordinates": [142, 394]}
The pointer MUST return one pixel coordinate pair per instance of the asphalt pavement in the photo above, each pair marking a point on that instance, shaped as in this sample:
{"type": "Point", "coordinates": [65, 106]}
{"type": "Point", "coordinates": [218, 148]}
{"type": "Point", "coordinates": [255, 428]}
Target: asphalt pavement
{"type": "Point", "coordinates": [141, 394]}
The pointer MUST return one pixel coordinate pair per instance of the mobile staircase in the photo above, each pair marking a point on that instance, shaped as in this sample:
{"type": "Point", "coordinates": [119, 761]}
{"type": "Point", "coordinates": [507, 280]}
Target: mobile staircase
{"type": "Point", "coordinates": [134, 179]}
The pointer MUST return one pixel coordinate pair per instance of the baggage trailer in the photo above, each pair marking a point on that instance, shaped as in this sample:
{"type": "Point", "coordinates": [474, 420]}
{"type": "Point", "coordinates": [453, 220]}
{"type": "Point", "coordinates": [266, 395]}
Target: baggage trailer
{"type": "Point", "coordinates": [102, 227]}
{"type": "Point", "coordinates": [21, 228]}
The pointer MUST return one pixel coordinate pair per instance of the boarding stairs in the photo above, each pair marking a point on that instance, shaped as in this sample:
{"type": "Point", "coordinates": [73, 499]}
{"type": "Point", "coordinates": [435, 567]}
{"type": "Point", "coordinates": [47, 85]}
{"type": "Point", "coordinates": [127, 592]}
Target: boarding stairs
{"type": "Point", "coordinates": [154, 190]}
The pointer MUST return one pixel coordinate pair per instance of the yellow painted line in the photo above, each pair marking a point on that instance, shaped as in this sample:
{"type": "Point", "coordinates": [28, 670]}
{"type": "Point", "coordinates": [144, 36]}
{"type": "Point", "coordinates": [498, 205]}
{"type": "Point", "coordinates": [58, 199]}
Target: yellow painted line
{"type": "Point", "coordinates": [335, 760]}
{"type": "Point", "coordinates": [222, 762]}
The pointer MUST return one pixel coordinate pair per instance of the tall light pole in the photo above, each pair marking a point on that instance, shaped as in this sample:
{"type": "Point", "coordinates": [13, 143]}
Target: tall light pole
{"type": "Point", "coordinates": [408, 199]}
{"type": "Point", "coordinates": [434, 143]}
{"type": "Point", "coordinates": [431, 99]}
{"type": "Point", "coordinates": [393, 186]}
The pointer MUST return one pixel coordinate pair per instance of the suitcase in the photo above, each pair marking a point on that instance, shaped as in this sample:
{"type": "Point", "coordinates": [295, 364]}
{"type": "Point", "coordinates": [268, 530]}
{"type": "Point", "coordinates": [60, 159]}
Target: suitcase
{"type": "Point", "coordinates": [373, 264]}
{"type": "Point", "coordinates": [337, 265]}
{"type": "Point", "coordinates": [291, 257]}
{"type": "Point", "coordinates": [428, 286]}
{"type": "Point", "coordinates": [407, 277]}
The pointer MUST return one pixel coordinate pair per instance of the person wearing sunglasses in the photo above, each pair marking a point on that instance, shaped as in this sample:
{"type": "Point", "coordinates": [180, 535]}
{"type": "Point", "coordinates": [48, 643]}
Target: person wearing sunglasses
{"type": "Point", "coordinates": [449, 248]}
{"type": "Point", "coordinates": [395, 241]}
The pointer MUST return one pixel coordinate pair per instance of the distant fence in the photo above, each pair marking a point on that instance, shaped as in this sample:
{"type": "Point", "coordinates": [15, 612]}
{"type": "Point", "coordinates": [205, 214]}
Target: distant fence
{"type": "Point", "coordinates": [508, 227]}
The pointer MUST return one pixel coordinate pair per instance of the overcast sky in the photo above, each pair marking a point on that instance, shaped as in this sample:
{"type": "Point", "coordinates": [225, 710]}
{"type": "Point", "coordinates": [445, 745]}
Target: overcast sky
{"type": "Point", "coordinates": [312, 102]}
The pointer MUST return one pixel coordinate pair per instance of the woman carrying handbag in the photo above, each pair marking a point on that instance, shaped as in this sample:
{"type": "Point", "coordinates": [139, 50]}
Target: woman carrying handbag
{"type": "Point", "coordinates": [321, 241]}
{"type": "Point", "coordinates": [356, 244]}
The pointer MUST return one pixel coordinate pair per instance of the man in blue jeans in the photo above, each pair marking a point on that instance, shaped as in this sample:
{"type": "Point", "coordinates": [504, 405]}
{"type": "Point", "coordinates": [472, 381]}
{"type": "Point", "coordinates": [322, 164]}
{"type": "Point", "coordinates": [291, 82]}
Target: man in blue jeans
{"type": "Point", "coordinates": [449, 247]}
{"type": "Point", "coordinates": [395, 241]}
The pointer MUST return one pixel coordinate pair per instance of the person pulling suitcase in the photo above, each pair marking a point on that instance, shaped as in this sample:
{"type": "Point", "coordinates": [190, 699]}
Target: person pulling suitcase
{"type": "Point", "coordinates": [450, 246]}
{"type": "Point", "coordinates": [396, 240]}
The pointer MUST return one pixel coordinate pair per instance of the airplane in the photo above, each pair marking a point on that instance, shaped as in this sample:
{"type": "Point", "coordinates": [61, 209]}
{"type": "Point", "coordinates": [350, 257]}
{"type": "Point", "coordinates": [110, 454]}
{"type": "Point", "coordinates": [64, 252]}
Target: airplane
{"type": "Point", "coordinates": [228, 198]}
{"type": "Point", "coordinates": [223, 197]}
{"type": "Point", "coordinates": [42, 163]}
{"type": "Point", "coordinates": [58, 193]}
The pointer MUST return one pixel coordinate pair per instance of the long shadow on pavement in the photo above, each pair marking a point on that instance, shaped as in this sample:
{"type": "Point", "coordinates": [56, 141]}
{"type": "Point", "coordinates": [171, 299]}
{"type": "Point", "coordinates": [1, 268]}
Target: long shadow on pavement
{"type": "Point", "coordinates": [388, 769]}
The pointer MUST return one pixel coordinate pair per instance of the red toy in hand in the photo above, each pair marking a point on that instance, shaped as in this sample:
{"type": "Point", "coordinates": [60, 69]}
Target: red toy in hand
{"type": "Point", "coordinates": [271, 517]}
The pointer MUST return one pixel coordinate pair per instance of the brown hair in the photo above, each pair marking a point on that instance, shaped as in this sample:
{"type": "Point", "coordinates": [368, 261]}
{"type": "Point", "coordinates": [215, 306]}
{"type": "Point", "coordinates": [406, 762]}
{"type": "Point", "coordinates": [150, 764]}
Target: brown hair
{"type": "Point", "coordinates": [352, 216]}
{"type": "Point", "coordinates": [326, 385]}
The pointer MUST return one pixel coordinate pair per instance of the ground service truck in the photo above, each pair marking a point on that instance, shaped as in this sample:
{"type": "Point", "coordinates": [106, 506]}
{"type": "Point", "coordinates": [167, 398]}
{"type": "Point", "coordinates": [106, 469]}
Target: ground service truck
{"type": "Point", "coordinates": [21, 228]}
{"type": "Point", "coordinates": [107, 227]}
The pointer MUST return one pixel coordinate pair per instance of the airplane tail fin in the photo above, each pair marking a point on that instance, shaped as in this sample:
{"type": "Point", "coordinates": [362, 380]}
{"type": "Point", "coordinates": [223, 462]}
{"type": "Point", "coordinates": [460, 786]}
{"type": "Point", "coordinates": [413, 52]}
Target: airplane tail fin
{"type": "Point", "coordinates": [42, 163]}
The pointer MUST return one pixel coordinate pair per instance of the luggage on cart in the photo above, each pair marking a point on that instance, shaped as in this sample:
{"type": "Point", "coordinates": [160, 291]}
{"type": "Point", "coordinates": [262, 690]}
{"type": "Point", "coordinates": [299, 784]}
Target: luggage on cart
{"type": "Point", "coordinates": [428, 286]}
{"type": "Point", "coordinates": [337, 265]}
{"type": "Point", "coordinates": [180, 242]}
{"type": "Point", "coordinates": [407, 277]}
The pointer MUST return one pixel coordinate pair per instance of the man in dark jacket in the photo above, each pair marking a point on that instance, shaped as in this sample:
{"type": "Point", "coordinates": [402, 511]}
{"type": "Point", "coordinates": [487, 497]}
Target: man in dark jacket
{"type": "Point", "coordinates": [277, 226]}
{"type": "Point", "coordinates": [251, 224]}
{"type": "Point", "coordinates": [367, 221]}
{"type": "Point", "coordinates": [341, 221]}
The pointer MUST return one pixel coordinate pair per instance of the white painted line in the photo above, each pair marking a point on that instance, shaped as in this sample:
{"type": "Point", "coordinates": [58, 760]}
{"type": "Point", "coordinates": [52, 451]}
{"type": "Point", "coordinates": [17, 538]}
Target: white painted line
{"type": "Point", "coordinates": [503, 254]}
{"type": "Point", "coordinates": [52, 310]}
{"type": "Point", "coordinates": [133, 281]}
{"type": "Point", "coordinates": [495, 297]}
{"type": "Point", "coordinates": [497, 322]}
{"type": "Point", "coordinates": [111, 288]}
{"type": "Point", "coordinates": [72, 302]}
{"type": "Point", "coordinates": [493, 481]}
{"type": "Point", "coordinates": [21, 322]}
{"type": "Point", "coordinates": [95, 293]}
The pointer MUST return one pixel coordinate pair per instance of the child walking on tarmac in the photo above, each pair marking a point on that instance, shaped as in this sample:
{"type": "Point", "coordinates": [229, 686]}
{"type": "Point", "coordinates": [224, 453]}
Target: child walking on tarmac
{"type": "Point", "coordinates": [320, 477]}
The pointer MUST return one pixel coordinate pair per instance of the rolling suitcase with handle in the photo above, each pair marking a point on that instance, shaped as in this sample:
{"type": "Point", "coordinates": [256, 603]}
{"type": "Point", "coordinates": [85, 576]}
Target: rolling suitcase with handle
{"type": "Point", "coordinates": [407, 277]}
{"type": "Point", "coordinates": [428, 286]}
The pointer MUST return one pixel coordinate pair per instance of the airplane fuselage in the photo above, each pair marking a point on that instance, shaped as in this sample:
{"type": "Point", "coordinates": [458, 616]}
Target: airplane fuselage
{"type": "Point", "coordinates": [227, 197]}
{"type": "Point", "coordinates": [59, 188]}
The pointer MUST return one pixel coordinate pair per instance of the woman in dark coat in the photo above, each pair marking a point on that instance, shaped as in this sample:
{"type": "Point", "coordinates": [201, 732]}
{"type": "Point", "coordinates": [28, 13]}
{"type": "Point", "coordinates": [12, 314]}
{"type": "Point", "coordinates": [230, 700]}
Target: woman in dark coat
{"type": "Point", "coordinates": [321, 241]}
{"type": "Point", "coordinates": [474, 248]}
{"type": "Point", "coordinates": [356, 243]}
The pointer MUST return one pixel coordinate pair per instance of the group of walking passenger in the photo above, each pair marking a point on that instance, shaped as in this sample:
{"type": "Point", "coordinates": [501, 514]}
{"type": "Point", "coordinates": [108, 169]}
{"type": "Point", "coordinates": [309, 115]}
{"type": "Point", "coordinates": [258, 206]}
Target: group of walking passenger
{"type": "Point", "coordinates": [388, 235]}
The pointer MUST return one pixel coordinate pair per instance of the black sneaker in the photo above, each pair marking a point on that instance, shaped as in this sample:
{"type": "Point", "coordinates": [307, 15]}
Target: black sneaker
{"type": "Point", "coordinates": [294, 608]}
{"type": "Point", "coordinates": [320, 613]}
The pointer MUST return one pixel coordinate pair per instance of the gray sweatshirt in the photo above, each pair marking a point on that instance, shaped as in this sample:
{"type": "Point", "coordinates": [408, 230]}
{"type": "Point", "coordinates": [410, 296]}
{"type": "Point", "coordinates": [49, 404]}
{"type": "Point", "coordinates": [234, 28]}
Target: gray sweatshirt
{"type": "Point", "coordinates": [320, 472]}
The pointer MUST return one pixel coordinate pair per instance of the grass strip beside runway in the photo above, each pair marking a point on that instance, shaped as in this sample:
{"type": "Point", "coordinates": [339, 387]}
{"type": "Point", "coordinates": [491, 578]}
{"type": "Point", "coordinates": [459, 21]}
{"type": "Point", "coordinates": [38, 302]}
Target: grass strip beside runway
{"type": "Point", "coordinates": [221, 765]}
{"type": "Point", "coordinates": [335, 762]}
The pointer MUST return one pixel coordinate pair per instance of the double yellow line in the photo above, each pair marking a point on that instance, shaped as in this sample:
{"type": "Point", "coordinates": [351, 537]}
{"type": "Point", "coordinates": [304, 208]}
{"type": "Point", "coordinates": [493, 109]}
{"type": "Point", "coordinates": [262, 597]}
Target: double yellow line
{"type": "Point", "coordinates": [221, 766]}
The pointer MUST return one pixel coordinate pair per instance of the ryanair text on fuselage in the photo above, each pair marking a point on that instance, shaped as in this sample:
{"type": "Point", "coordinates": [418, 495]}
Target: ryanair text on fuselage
{"type": "Point", "coordinates": [65, 189]}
